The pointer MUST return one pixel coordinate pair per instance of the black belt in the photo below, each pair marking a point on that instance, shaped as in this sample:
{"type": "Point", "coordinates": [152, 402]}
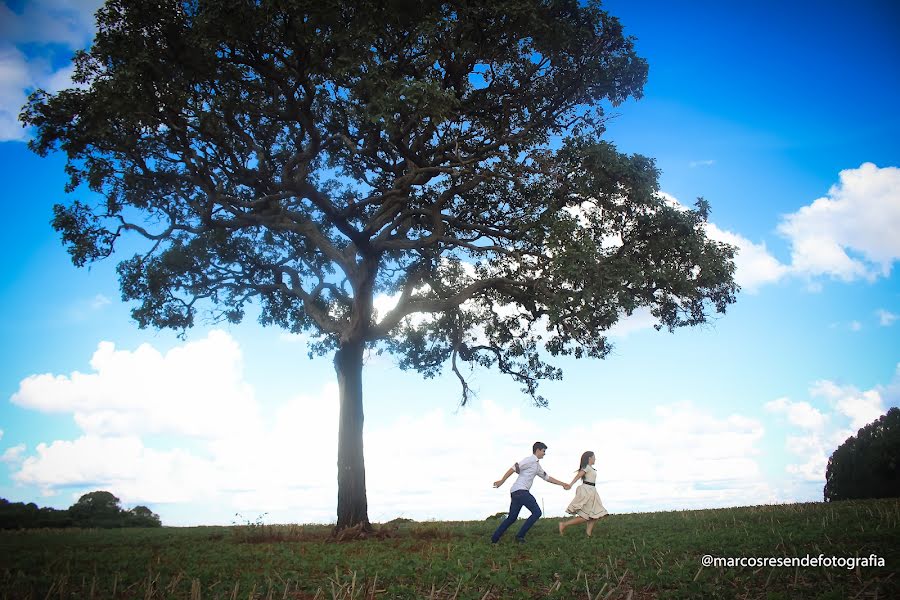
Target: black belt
{"type": "Point", "coordinates": [588, 483]}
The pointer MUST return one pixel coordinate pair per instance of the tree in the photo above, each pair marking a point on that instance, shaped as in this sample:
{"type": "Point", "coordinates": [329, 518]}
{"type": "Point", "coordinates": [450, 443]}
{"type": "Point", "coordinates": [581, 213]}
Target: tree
{"type": "Point", "coordinates": [867, 465]}
{"type": "Point", "coordinates": [141, 516]}
{"type": "Point", "coordinates": [97, 509]}
{"type": "Point", "coordinates": [306, 157]}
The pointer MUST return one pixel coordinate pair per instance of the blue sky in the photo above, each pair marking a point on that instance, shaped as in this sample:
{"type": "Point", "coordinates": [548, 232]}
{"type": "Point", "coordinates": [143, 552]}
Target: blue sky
{"type": "Point", "coordinates": [784, 118]}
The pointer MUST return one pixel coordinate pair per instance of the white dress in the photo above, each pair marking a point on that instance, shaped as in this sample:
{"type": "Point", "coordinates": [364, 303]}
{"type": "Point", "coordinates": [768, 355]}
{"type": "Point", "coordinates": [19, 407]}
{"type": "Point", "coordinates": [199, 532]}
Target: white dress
{"type": "Point", "coordinates": [586, 503]}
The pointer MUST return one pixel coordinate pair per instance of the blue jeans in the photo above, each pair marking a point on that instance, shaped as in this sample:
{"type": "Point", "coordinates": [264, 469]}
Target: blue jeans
{"type": "Point", "coordinates": [518, 499]}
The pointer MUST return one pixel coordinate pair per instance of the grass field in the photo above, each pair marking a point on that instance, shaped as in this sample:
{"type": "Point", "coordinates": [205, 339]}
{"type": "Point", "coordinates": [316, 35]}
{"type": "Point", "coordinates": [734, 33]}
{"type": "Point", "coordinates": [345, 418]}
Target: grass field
{"type": "Point", "coordinates": [649, 555]}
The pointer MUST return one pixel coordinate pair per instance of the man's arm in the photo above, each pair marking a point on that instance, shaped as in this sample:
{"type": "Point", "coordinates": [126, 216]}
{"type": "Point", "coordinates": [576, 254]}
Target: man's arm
{"type": "Point", "coordinates": [546, 477]}
{"type": "Point", "coordinates": [558, 482]}
{"type": "Point", "coordinates": [500, 481]}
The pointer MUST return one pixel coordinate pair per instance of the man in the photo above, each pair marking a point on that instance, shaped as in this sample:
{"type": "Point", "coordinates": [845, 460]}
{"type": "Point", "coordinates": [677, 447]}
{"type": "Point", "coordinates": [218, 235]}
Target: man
{"type": "Point", "coordinates": [527, 468]}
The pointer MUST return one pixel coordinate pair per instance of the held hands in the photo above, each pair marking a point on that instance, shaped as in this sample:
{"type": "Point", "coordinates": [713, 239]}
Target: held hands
{"type": "Point", "coordinates": [567, 486]}
{"type": "Point", "coordinates": [498, 483]}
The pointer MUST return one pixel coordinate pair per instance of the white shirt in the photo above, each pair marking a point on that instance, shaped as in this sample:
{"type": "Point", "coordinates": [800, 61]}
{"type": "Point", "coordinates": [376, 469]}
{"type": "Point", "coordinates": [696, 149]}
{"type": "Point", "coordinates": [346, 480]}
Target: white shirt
{"type": "Point", "coordinates": [528, 468]}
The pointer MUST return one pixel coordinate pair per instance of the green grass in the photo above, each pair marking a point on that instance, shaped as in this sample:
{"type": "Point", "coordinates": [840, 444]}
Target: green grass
{"type": "Point", "coordinates": [650, 555]}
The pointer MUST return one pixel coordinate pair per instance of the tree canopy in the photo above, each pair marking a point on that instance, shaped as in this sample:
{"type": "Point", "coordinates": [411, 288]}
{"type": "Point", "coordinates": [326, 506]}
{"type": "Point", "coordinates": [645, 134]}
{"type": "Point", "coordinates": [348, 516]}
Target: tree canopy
{"type": "Point", "coordinates": [867, 465]}
{"type": "Point", "coordinates": [310, 157]}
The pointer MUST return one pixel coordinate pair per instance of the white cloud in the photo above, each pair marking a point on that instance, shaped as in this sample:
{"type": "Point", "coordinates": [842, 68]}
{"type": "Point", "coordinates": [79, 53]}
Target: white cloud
{"type": "Point", "coordinates": [681, 458]}
{"type": "Point", "coordinates": [196, 390]}
{"type": "Point", "coordinates": [851, 233]}
{"type": "Point", "coordinates": [436, 464]}
{"type": "Point", "coordinates": [754, 265]}
{"type": "Point", "coordinates": [813, 451]}
{"type": "Point", "coordinates": [13, 455]}
{"type": "Point", "coordinates": [66, 22]}
{"type": "Point", "coordinates": [18, 76]}
{"type": "Point", "coordinates": [41, 28]}
{"type": "Point", "coordinates": [701, 163]}
{"type": "Point", "coordinates": [885, 318]}
{"type": "Point", "coordinates": [639, 320]}
{"type": "Point", "coordinates": [14, 78]}
{"type": "Point", "coordinates": [801, 414]}
{"type": "Point", "coordinates": [123, 464]}
{"type": "Point", "coordinates": [860, 407]}
{"type": "Point", "coordinates": [846, 410]}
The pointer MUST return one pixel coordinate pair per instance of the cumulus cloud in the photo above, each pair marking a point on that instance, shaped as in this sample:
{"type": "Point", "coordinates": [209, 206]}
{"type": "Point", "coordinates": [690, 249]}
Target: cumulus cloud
{"type": "Point", "coordinates": [13, 455]}
{"type": "Point", "coordinates": [196, 389]}
{"type": "Point", "coordinates": [801, 414]}
{"type": "Point", "coordinates": [438, 463]}
{"type": "Point", "coordinates": [65, 22]}
{"type": "Point", "coordinates": [122, 463]}
{"type": "Point", "coordinates": [842, 411]}
{"type": "Point", "coordinates": [755, 266]}
{"type": "Point", "coordinates": [851, 233]}
{"type": "Point", "coordinates": [33, 41]}
{"type": "Point", "coordinates": [860, 407]}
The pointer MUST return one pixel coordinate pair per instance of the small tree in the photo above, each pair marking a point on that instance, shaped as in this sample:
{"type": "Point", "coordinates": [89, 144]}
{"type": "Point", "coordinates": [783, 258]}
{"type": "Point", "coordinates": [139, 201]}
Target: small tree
{"type": "Point", "coordinates": [309, 156]}
{"type": "Point", "coordinates": [97, 509]}
{"type": "Point", "coordinates": [141, 516]}
{"type": "Point", "coordinates": [867, 465]}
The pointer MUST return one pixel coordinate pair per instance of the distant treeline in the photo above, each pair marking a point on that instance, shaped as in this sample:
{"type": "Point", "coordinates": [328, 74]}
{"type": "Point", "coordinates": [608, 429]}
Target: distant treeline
{"type": "Point", "coordinates": [96, 509]}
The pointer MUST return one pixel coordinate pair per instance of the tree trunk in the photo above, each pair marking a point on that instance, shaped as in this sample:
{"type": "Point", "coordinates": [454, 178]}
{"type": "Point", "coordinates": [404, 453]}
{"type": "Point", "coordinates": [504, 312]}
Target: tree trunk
{"type": "Point", "coordinates": [352, 507]}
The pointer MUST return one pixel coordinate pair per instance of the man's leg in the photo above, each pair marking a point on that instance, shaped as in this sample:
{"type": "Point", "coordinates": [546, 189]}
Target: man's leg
{"type": "Point", "coordinates": [515, 505]}
{"type": "Point", "coordinates": [531, 504]}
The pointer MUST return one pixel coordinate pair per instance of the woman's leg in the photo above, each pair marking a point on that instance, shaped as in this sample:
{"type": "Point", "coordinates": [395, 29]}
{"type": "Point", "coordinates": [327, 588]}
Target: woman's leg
{"type": "Point", "coordinates": [590, 527]}
{"type": "Point", "coordinates": [564, 524]}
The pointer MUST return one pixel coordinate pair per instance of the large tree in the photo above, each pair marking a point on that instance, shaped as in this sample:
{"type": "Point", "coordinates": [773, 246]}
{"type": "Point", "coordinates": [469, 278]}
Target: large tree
{"type": "Point", "coordinates": [307, 157]}
{"type": "Point", "coordinates": [867, 465]}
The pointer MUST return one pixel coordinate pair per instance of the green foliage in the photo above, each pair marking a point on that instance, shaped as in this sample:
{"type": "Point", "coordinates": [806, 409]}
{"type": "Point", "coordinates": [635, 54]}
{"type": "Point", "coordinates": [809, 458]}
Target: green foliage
{"type": "Point", "coordinates": [867, 465]}
{"type": "Point", "coordinates": [18, 515]}
{"type": "Point", "coordinates": [307, 156]}
{"type": "Point", "coordinates": [141, 516]}
{"type": "Point", "coordinates": [96, 509]}
{"type": "Point", "coordinates": [651, 555]}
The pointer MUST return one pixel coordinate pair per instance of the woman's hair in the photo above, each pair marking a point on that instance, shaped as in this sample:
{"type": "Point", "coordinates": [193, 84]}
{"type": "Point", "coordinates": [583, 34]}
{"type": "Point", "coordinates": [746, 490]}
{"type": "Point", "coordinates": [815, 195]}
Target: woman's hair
{"type": "Point", "coordinates": [584, 461]}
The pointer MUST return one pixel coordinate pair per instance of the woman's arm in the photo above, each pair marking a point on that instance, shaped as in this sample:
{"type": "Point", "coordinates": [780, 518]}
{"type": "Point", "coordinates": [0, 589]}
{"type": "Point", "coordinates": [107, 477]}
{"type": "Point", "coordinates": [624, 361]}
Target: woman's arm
{"type": "Point", "coordinates": [578, 476]}
{"type": "Point", "coordinates": [499, 482]}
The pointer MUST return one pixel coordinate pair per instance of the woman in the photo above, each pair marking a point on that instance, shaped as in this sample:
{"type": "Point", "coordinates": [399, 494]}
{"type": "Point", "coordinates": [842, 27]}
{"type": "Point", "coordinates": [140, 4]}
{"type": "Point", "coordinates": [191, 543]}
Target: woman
{"type": "Point", "coordinates": [586, 504]}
